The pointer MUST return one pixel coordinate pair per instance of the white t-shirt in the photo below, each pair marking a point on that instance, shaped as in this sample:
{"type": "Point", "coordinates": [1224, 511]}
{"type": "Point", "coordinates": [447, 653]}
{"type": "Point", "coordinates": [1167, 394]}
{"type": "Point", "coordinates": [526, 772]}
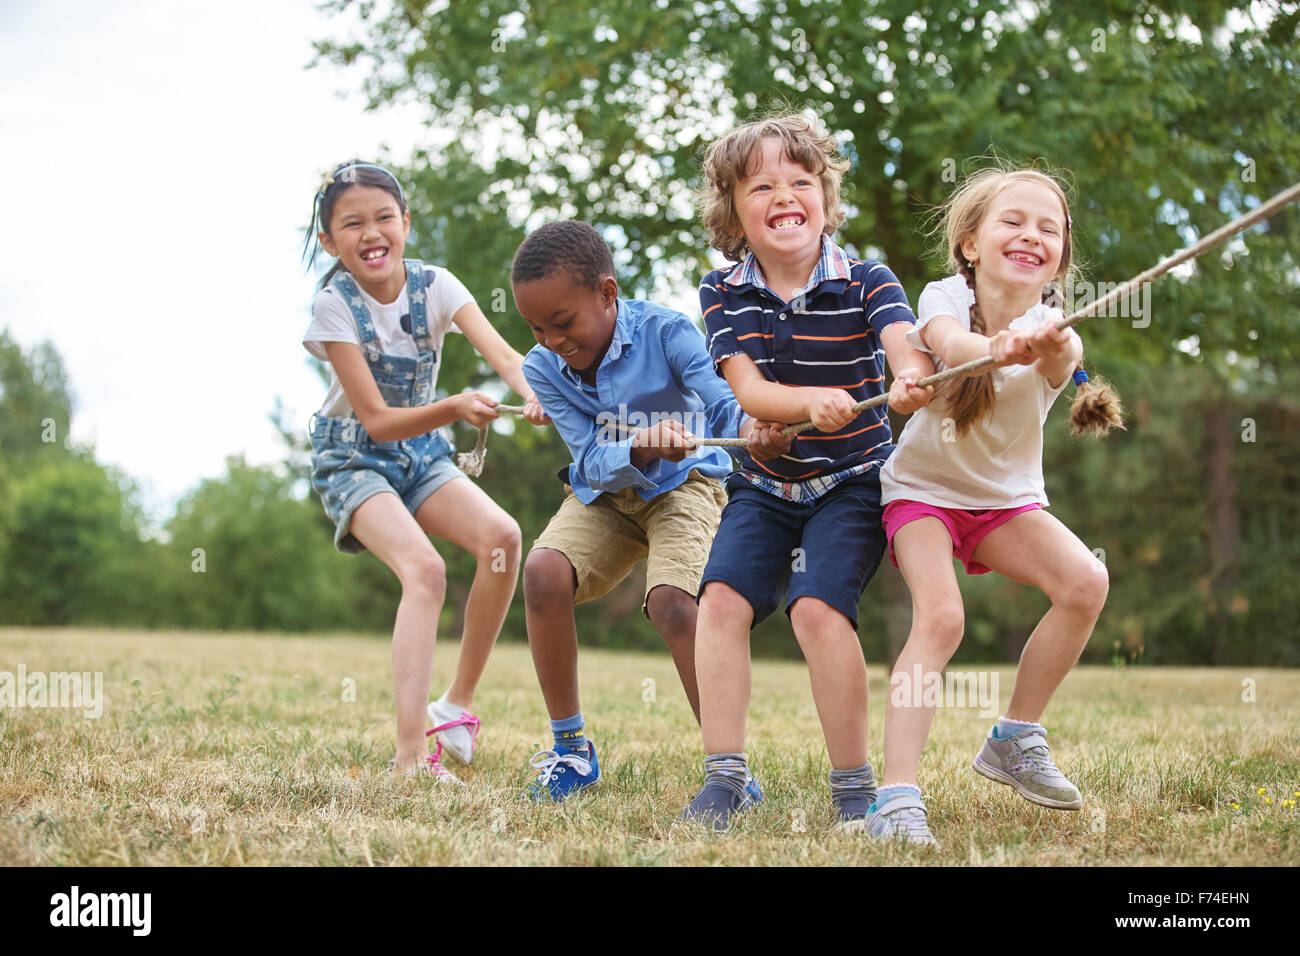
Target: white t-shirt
{"type": "Point", "coordinates": [998, 463]}
{"type": "Point", "coordinates": [332, 322]}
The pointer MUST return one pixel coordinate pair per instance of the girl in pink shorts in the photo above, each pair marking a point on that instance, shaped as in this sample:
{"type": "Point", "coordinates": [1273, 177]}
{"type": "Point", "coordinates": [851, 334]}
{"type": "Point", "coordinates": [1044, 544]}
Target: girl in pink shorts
{"type": "Point", "coordinates": [966, 481]}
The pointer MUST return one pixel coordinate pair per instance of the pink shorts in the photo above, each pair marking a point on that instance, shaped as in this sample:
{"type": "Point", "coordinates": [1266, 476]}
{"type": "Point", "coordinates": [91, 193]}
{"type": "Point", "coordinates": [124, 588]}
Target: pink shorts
{"type": "Point", "coordinates": [968, 528]}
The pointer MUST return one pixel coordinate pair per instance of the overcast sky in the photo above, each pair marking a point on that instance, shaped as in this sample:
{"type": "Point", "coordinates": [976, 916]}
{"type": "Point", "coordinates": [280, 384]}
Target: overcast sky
{"type": "Point", "coordinates": [160, 159]}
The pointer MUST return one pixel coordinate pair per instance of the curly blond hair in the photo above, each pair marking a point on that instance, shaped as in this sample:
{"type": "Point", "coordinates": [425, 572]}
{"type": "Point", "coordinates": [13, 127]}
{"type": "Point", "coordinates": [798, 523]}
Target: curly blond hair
{"type": "Point", "coordinates": [732, 157]}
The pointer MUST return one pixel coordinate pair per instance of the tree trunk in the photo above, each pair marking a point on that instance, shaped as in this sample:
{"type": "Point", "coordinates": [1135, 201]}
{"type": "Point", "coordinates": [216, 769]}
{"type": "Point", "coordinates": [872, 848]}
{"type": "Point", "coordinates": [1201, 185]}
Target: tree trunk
{"type": "Point", "coordinates": [1224, 521]}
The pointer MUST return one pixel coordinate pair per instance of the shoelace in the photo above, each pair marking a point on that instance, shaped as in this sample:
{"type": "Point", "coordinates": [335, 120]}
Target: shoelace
{"type": "Point", "coordinates": [435, 763]}
{"type": "Point", "coordinates": [466, 720]}
{"type": "Point", "coordinates": [912, 822]}
{"type": "Point", "coordinates": [1039, 759]}
{"type": "Point", "coordinates": [550, 762]}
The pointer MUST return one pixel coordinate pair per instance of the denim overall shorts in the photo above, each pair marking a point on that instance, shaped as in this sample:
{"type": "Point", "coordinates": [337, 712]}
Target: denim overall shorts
{"type": "Point", "coordinates": [347, 465]}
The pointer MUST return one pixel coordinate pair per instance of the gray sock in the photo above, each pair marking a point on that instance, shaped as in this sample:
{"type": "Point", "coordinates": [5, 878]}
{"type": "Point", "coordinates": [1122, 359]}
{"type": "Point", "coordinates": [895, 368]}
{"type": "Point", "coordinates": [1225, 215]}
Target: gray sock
{"type": "Point", "coordinates": [850, 789]}
{"type": "Point", "coordinates": [730, 770]}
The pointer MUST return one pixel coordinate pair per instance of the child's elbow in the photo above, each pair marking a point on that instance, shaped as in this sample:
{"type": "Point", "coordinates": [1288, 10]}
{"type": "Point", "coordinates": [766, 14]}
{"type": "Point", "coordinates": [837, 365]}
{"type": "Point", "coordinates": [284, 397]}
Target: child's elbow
{"type": "Point", "coordinates": [376, 426]}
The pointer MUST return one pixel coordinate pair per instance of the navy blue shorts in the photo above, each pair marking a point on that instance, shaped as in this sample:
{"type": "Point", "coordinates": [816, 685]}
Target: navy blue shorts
{"type": "Point", "coordinates": [828, 549]}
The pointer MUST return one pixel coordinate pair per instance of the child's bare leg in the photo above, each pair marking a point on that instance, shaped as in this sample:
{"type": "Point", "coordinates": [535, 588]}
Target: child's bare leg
{"type": "Point", "coordinates": [722, 667]}
{"type": "Point", "coordinates": [673, 613]}
{"type": "Point", "coordinates": [387, 529]}
{"type": "Point", "coordinates": [462, 513]}
{"type": "Point", "coordinates": [924, 551]}
{"type": "Point", "coordinates": [838, 674]}
{"type": "Point", "coordinates": [1034, 548]}
{"type": "Point", "coordinates": [549, 589]}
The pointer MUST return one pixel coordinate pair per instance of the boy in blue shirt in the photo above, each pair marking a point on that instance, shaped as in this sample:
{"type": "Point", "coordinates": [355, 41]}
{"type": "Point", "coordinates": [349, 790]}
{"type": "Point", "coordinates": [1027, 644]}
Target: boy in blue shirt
{"type": "Point", "coordinates": [798, 311]}
{"type": "Point", "coordinates": [627, 383]}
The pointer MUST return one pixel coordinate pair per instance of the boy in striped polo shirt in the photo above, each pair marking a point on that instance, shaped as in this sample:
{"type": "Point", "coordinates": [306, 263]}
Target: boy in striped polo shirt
{"type": "Point", "coordinates": [798, 329]}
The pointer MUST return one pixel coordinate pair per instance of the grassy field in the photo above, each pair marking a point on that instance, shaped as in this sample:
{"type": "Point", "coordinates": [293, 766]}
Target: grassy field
{"type": "Point", "coordinates": [244, 749]}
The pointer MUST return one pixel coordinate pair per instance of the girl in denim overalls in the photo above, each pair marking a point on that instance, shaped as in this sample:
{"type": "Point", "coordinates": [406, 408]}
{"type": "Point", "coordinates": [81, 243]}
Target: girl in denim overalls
{"type": "Point", "coordinates": [383, 470]}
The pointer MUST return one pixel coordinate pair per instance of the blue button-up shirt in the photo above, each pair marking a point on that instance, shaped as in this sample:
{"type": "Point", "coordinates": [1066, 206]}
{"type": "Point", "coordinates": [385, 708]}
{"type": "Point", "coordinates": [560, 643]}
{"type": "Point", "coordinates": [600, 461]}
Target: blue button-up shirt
{"type": "Point", "coordinates": [656, 367]}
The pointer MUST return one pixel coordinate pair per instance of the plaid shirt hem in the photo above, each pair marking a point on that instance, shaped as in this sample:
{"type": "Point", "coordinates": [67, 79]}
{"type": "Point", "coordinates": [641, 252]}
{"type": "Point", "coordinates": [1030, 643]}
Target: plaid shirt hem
{"type": "Point", "coordinates": [805, 492]}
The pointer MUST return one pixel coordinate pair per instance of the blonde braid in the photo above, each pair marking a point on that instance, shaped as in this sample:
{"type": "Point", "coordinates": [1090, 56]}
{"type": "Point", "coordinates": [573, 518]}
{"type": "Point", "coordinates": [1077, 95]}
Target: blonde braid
{"type": "Point", "coordinates": [970, 400]}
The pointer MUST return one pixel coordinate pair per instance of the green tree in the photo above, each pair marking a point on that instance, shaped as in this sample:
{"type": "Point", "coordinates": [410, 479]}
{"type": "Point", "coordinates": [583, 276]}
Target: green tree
{"type": "Point", "coordinates": [70, 541]}
{"type": "Point", "coordinates": [1174, 116]}
{"type": "Point", "coordinates": [247, 553]}
{"type": "Point", "coordinates": [35, 405]}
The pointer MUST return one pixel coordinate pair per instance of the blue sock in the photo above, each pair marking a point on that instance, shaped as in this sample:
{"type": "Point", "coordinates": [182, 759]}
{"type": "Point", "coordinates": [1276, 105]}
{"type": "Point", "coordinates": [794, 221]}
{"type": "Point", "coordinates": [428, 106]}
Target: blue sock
{"type": "Point", "coordinates": [568, 733]}
{"type": "Point", "coordinates": [889, 789]}
{"type": "Point", "coordinates": [1009, 728]}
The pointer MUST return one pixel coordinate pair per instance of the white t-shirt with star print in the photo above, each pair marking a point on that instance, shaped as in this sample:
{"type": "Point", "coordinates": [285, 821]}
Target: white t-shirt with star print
{"type": "Point", "coordinates": [332, 322]}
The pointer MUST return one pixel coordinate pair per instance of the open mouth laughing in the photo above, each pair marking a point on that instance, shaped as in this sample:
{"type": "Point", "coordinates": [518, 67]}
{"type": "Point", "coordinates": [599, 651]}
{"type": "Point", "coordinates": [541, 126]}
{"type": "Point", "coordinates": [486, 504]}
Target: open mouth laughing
{"type": "Point", "coordinates": [786, 221]}
{"type": "Point", "coordinates": [374, 256]}
{"type": "Point", "coordinates": [1027, 260]}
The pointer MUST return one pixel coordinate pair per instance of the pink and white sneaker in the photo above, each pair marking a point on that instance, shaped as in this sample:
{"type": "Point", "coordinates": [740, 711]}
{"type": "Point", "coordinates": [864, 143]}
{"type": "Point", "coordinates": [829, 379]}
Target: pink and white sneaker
{"type": "Point", "coordinates": [455, 728]}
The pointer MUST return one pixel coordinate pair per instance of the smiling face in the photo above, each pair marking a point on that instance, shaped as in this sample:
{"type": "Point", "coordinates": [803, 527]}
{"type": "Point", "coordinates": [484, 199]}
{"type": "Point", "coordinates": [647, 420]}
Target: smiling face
{"type": "Point", "coordinates": [781, 211]}
{"type": "Point", "coordinates": [367, 232]}
{"type": "Point", "coordinates": [1019, 243]}
{"type": "Point", "coordinates": [569, 319]}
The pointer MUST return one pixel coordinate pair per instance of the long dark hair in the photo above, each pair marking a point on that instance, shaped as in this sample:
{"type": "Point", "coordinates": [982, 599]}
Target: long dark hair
{"type": "Point", "coordinates": [354, 172]}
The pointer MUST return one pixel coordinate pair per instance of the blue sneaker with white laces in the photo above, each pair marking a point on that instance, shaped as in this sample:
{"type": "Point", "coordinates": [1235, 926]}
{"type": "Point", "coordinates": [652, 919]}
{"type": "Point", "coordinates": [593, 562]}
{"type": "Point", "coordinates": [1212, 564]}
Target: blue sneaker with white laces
{"type": "Point", "coordinates": [561, 772]}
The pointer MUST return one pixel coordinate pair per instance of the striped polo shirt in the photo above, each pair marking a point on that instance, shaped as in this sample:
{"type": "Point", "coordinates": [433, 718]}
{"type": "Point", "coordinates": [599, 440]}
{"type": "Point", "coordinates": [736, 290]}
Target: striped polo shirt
{"type": "Point", "coordinates": [828, 336]}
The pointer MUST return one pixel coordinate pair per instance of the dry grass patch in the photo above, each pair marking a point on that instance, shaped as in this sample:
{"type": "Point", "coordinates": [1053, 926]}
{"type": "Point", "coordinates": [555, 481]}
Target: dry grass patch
{"type": "Point", "coordinates": [218, 749]}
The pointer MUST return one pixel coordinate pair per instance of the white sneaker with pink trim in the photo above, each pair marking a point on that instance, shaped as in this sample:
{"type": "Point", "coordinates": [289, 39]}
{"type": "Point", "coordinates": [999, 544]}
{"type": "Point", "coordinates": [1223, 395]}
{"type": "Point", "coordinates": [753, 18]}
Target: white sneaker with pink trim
{"type": "Point", "coordinates": [457, 729]}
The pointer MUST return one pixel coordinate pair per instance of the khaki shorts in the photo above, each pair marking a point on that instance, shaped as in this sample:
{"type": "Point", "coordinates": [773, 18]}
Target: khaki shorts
{"type": "Point", "coordinates": [606, 539]}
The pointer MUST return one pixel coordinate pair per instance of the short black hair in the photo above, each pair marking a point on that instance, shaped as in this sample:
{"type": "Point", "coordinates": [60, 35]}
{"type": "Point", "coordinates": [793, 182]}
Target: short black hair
{"type": "Point", "coordinates": [572, 246]}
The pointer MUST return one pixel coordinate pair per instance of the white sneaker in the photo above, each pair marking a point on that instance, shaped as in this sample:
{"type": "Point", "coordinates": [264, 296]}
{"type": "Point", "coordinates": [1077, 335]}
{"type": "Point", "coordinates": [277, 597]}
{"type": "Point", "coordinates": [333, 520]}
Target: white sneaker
{"type": "Point", "coordinates": [901, 817]}
{"type": "Point", "coordinates": [456, 728]}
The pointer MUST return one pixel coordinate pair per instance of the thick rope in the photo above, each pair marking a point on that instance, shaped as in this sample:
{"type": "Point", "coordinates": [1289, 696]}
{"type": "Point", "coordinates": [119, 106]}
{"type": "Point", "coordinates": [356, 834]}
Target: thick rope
{"type": "Point", "coordinates": [1287, 196]}
{"type": "Point", "coordinates": [471, 462]}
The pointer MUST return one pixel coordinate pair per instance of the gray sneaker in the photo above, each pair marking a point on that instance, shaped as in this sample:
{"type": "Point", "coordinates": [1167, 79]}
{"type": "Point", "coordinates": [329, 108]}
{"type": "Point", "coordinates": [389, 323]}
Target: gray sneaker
{"type": "Point", "coordinates": [1024, 761]}
{"type": "Point", "coordinates": [901, 817]}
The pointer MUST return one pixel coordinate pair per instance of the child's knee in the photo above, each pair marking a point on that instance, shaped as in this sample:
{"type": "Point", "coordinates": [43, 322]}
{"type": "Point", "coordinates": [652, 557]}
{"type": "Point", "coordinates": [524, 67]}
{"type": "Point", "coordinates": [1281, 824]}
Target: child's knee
{"type": "Point", "coordinates": [815, 620]}
{"type": "Point", "coordinates": [548, 579]}
{"type": "Point", "coordinates": [502, 543]}
{"type": "Point", "coordinates": [672, 611]}
{"type": "Point", "coordinates": [425, 573]}
{"type": "Point", "coordinates": [1083, 590]}
{"type": "Point", "coordinates": [938, 628]}
{"type": "Point", "coordinates": [723, 602]}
